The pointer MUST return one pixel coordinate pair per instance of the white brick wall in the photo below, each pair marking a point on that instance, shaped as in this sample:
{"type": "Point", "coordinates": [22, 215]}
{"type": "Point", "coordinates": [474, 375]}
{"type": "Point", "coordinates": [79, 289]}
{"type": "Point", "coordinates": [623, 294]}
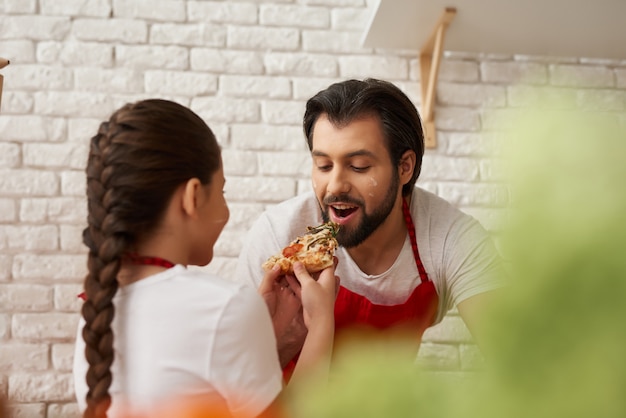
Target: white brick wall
{"type": "Point", "coordinates": [247, 67]}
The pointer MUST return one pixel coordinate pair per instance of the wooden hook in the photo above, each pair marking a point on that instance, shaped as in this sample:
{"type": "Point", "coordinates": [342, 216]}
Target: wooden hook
{"type": "Point", "coordinates": [430, 58]}
{"type": "Point", "coordinates": [3, 63]}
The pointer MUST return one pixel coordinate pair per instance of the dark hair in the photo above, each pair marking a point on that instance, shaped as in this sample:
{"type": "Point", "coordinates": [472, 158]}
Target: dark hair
{"type": "Point", "coordinates": [352, 99]}
{"type": "Point", "coordinates": [136, 161]}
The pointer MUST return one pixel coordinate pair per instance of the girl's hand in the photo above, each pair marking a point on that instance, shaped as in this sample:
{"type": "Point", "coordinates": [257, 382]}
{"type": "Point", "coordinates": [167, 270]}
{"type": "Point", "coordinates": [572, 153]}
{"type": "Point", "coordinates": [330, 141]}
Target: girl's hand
{"type": "Point", "coordinates": [317, 296]}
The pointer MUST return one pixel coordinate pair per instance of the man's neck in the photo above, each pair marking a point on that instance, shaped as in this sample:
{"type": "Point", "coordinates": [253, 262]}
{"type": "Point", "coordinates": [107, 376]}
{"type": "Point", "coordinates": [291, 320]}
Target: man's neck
{"type": "Point", "coordinates": [381, 249]}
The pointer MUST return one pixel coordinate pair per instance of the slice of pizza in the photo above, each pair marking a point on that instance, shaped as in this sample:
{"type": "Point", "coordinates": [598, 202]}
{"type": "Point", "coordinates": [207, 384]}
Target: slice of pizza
{"type": "Point", "coordinates": [315, 249]}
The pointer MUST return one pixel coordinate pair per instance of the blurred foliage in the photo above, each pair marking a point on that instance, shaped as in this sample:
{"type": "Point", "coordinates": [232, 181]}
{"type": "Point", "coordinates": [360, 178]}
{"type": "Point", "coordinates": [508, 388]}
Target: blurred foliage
{"type": "Point", "coordinates": [560, 328]}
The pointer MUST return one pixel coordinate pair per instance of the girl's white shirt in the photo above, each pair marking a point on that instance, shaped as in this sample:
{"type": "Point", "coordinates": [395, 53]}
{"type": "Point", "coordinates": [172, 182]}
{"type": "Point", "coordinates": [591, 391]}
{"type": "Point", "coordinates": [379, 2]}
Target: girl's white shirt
{"type": "Point", "coordinates": [183, 332]}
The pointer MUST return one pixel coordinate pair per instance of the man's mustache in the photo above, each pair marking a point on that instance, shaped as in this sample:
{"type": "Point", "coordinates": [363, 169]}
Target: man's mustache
{"type": "Point", "coordinates": [329, 200]}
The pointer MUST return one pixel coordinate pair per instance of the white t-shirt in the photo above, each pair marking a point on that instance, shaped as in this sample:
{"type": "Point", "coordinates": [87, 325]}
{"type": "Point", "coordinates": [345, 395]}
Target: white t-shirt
{"type": "Point", "coordinates": [183, 332]}
{"type": "Point", "coordinates": [457, 252]}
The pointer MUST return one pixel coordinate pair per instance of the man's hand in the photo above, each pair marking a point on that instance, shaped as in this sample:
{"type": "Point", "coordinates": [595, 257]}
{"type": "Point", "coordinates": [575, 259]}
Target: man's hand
{"type": "Point", "coordinates": [291, 342]}
{"type": "Point", "coordinates": [282, 303]}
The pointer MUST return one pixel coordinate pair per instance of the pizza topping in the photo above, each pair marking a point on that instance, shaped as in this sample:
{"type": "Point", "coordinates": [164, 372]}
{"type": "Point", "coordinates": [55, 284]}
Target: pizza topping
{"type": "Point", "coordinates": [319, 241]}
{"type": "Point", "coordinates": [329, 227]}
{"type": "Point", "coordinates": [292, 250]}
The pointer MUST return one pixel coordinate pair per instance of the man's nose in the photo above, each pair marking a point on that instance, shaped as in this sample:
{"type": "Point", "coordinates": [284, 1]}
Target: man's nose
{"type": "Point", "coordinates": [338, 182]}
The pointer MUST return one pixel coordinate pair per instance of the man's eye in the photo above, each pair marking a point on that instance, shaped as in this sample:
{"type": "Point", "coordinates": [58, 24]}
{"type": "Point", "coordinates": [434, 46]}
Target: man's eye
{"type": "Point", "coordinates": [360, 169]}
{"type": "Point", "coordinates": [324, 167]}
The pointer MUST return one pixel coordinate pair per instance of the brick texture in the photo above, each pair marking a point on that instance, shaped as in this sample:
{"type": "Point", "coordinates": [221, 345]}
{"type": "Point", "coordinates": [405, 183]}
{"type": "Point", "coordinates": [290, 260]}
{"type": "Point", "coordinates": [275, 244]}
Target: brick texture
{"type": "Point", "coordinates": [247, 68]}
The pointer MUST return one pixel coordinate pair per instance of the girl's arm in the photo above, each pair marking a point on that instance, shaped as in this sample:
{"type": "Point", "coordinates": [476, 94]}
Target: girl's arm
{"type": "Point", "coordinates": [318, 302]}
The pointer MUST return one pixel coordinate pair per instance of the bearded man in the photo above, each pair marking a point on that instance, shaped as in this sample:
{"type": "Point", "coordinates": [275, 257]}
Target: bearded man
{"type": "Point", "coordinates": [406, 256]}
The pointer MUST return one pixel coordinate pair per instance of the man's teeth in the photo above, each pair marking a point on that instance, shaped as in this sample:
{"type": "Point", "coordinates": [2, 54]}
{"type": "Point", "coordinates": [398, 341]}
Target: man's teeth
{"type": "Point", "coordinates": [342, 207]}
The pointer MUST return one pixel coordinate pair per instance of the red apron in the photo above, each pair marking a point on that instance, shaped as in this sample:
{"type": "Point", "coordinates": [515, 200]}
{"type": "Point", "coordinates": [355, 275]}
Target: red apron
{"type": "Point", "coordinates": [418, 312]}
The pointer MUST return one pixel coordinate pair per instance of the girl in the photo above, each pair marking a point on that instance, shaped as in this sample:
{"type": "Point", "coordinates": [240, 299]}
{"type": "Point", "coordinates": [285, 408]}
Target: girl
{"type": "Point", "coordinates": [152, 331]}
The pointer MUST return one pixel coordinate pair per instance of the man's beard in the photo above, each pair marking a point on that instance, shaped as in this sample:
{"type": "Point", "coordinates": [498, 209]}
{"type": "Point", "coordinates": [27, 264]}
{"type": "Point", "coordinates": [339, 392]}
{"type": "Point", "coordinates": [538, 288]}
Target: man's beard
{"type": "Point", "coordinates": [351, 237]}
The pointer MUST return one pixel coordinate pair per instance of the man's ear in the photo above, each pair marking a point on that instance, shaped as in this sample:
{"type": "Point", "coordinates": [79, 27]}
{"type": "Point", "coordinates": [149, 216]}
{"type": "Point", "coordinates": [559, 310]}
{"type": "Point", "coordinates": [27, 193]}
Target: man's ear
{"type": "Point", "coordinates": [190, 196]}
{"type": "Point", "coordinates": [406, 166]}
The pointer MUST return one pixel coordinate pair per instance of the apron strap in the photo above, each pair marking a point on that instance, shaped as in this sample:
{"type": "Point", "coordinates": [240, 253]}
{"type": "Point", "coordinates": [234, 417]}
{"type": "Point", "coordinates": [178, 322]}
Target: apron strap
{"type": "Point", "coordinates": [411, 229]}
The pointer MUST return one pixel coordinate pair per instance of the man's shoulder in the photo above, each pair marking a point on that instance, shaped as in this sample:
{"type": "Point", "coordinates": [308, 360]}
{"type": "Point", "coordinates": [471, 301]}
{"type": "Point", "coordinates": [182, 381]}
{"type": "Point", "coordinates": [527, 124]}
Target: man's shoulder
{"type": "Point", "coordinates": [302, 199]}
{"type": "Point", "coordinates": [427, 205]}
{"type": "Point", "coordinates": [300, 208]}
{"type": "Point", "coordinates": [281, 222]}
{"type": "Point", "coordinates": [426, 198]}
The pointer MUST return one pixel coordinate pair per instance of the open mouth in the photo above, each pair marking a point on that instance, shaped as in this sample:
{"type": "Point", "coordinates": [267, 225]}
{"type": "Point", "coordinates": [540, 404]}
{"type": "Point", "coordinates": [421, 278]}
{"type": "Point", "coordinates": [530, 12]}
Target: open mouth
{"type": "Point", "coordinates": [343, 211]}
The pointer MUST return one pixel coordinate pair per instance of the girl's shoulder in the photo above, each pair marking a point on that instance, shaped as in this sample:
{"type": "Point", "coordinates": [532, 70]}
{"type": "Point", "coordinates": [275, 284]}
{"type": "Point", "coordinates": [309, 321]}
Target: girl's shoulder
{"type": "Point", "coordinates": [188, 286]}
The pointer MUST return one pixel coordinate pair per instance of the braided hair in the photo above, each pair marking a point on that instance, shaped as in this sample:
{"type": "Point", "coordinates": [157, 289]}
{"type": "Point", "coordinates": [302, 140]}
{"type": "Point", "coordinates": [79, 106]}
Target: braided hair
{"type": "Point", "coordinates": [136, 161]}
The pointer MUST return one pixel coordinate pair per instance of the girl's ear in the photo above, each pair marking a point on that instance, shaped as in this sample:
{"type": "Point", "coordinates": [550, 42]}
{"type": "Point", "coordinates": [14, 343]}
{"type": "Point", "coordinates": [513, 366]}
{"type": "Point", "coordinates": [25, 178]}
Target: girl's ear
{"type": "Point", "coordinates": [190, 196]}
{"type": "Point", "coordinates": [406, 166]}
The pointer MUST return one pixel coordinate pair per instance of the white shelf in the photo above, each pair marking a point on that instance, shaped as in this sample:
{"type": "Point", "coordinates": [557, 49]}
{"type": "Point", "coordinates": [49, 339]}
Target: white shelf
{"type": "Point", "coordinates": [559, 28]}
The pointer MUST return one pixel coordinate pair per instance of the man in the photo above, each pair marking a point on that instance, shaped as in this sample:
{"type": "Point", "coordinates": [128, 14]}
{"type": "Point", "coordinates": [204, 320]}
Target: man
{"type": "Point", "coordinates": [406, 256]}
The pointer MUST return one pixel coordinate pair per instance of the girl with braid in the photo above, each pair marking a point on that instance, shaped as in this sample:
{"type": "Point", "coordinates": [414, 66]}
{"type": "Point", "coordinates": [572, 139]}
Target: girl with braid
{"type": "Point", "coordinates": [153, 330]}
